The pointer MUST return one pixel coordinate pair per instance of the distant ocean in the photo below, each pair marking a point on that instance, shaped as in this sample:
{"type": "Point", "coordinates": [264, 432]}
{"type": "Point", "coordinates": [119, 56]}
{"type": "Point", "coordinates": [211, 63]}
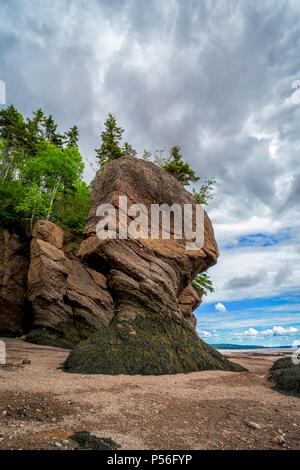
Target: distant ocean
{"type": "Point", "coordinates": [266, 351]}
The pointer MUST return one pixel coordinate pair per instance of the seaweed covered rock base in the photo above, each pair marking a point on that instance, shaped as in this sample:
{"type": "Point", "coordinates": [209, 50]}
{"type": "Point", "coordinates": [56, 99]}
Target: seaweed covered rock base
{"type": "Point", "coordinates": [146, 346]}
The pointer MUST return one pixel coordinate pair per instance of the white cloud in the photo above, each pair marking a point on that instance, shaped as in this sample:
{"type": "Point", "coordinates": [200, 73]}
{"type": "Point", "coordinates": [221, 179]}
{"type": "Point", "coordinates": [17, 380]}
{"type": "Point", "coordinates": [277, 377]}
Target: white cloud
{"type": "Point", "coordinates": [205, 334]}
{"type": "Point", "coordinates": [277, 261]}
{"type": "Point", "coordinates": [181, 73]}
{"type": "Point", "coordinates": [296, 84]}
{"type": "Point", "coordinates": [275, 331]}
{"type": "Point", "coordinates": [251, 332]}
{"type": "Point", "coordinates": [220, 307]}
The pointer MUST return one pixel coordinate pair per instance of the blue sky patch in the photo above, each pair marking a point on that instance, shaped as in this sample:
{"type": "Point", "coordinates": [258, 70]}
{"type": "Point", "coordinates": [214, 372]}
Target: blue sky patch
{"type": "Point", "coordinates": [261, 239]}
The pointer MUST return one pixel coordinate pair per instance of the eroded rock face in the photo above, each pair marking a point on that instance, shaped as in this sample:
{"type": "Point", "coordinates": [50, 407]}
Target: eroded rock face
{"type": "Point", "coordinates": [62, 290]}
{"type": "Point", "coordinates": [145, 276]}
{"type": "Point", "coordinates": [153, 328]}
{"type": "Point", "coordinates": [14, 261]}
{"type": "Point", "coordinates": [188, 301]}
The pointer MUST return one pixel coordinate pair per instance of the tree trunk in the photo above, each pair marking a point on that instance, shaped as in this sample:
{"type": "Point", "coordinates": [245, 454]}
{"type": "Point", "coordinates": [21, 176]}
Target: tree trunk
{"type": "Point", "coordinates": [32, 215]}
{"type": "Point", "coordinates": [4, 158]}
{"type": "Point", "coordinates": [53, 196]}
{"type": "Point", "coordinates": [7, 169]}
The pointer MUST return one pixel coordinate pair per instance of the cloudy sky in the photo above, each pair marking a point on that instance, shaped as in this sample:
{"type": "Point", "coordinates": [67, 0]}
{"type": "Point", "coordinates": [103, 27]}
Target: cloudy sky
{"type": "Point", "coordinates": [219, 78]}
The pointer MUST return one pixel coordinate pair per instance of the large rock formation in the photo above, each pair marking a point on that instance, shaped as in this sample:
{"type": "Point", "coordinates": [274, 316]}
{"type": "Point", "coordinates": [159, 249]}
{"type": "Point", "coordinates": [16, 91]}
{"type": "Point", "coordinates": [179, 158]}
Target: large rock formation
{"type": "Point", "coordinates": [69, 300]}
{"type": "Point", "coordinates": [13, 284]}
{"type": "Point", "coordinates": [188, 301]}
{"type": "Point", "coordinates": [145, 276]}
{"type": "Point", "coordinates": [124, 305]}
{"type": "Point", "coordinates": [152, 331]}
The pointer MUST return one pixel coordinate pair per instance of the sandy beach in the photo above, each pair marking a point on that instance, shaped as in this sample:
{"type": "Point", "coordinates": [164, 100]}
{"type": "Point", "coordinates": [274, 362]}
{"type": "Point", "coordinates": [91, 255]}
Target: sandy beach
{"type": "Point", "coordinates": [41, 406]}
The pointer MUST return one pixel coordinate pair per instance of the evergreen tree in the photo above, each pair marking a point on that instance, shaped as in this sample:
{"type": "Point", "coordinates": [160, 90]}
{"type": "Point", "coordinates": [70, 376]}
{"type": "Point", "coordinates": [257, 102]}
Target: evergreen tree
{"type": "Point", "coordinates": [71, 137]}
{"type": "Point", "coordinates": [34, 124]}
{"type": "Point", "coordinates": [34, 133]}
{"type": "Point", "coordinates": [110, 148]}
{"type": "Point", "coordinates": [128, 150]}
{"type": "Point", "coordinates": [176, 167]}
{"type": "Point", "coordinates": [50, 131]}
{"type": "Point", "coordinates": [146, 155]}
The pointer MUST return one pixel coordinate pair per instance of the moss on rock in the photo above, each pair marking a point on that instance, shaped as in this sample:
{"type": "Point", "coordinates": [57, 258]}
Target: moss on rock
{"type": "Point", "coordinates": [147, 346]}
{"type": "Point", "coordinates": [10, 333]}
{"type": "Point", "coordinates": [66, 335]}
{"type": "Point", "coordinates": [286, 376]}
{"type": "Point", "coordinates": [88, 441]}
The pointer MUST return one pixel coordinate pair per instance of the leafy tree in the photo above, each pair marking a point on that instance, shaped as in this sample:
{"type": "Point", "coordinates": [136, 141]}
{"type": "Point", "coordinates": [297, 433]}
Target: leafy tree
{"type": "Point", "coordinates": [11, 194]}
{"type": "Point", "coordinates": [205, 192]}
{"type": "Point", "coordinates": [54, 170]}
{"type": "Point", "coordinates": [176, 167]}
{"type": "Point", "coordinates": [203, 283]}
{"type": "Point", "coordinates": [71, 209]}
{"type": "Point", "coordinates": [110, 148]}
{"type": "Point", "coordinates": [34, 205]}
{"type": "Point", "coordinates": [39, 177]}
{"type": "Point", "coordinates": [12, 132]}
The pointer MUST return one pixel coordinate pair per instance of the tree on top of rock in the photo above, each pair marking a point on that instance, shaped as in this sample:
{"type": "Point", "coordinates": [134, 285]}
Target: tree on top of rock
{"type": "Point", "coordinates": [128, 150]}
{"type": "Point", "coordinates": [110, 148]}
{"type": "Point", "coordinates": [176, 167]}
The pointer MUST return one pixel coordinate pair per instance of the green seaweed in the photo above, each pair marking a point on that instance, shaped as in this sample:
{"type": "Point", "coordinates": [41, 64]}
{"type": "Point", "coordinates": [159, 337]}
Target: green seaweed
{"type": "Point", "coordinates": [88, 441]}
{"type": "Point", "coordinates": [147, 346]}
{"type": "Point", "coordinates": [9, 333]}
{"type": "Point", "coordinates": [66, 335]}
{"type": "Point", "coordinates": [286, 376]}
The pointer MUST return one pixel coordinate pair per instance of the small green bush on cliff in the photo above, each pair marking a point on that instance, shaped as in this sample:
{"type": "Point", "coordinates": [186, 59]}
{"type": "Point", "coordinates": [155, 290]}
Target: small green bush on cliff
{"type": "Point", "coordinates": [286, 376]}
{"type": "Point", "coordinates": [147, 346]}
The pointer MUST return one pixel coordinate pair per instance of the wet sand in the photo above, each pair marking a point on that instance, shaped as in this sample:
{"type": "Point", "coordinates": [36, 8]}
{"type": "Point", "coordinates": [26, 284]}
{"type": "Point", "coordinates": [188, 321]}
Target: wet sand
{"type": "Point", "coordinates": [41, 406]}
